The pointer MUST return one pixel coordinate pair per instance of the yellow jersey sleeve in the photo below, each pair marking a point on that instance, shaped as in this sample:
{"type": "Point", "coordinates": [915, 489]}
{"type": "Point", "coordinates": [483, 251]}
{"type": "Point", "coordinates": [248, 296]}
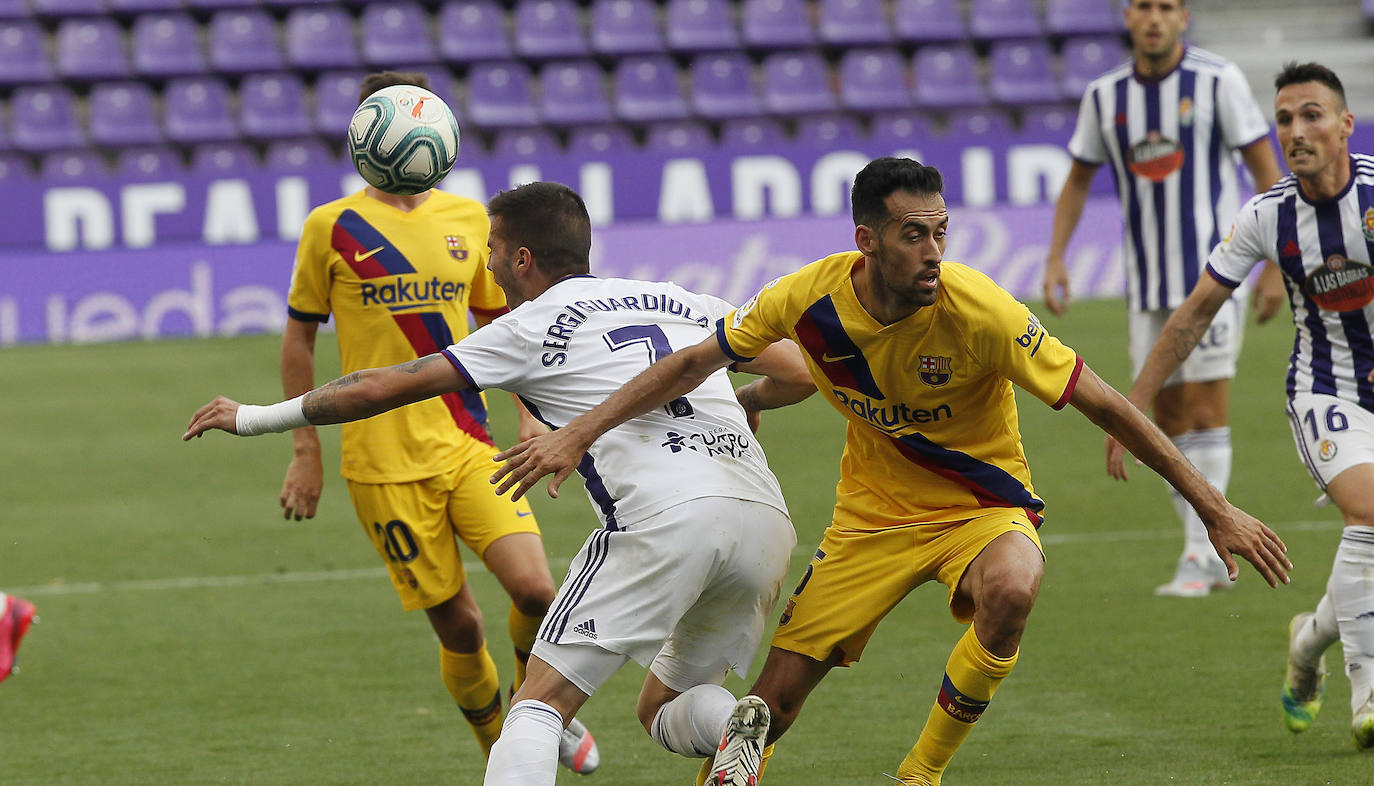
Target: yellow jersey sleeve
{"type": "Point", "coordinates": [308, 298]}
{"type": "Point", "coordinates": [768, 316]}
{"type": "Point", "coordinates": [1009, 339]}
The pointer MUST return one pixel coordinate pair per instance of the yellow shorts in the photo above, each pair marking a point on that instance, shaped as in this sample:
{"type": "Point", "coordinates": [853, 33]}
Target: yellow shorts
{"type": "Point", "coordinates": [857, 576]}
{"type": "Point", "coordinates": [415, 526]}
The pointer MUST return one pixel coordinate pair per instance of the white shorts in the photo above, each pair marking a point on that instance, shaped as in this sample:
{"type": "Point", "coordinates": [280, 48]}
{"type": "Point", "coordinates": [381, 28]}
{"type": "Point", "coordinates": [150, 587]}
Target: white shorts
{"type": "Point", "coordinates": [685, 592]}
{"type": "Point", "coordinates": [1215, 355]}
{"type": "Point", "coordinates": [1332, 434]}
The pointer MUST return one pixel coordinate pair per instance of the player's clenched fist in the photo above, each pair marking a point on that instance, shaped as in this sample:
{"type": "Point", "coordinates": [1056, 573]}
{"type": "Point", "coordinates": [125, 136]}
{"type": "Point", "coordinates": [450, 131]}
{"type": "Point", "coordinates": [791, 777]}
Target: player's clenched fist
{"type": "Point", "coordinates": [222, 413]}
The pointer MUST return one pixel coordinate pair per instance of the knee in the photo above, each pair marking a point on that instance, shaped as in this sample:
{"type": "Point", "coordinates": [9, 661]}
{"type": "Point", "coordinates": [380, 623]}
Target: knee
{"type": "Point", "coordinates": [532, 598]}
{"type": "Point", "coordinates": [458, 625]}
{"type": "Point", "coordinates": [1007, 603]}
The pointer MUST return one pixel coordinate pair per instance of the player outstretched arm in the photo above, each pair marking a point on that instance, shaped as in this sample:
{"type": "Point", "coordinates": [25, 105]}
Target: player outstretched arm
{"type": "Point", "coordinates": [559, 452]}
{"type": "Point", "coordinates": [786, 379]}
{"type": "Point", "coordinates": [1181, 334]}
{"type": "Point", "coordinates": [355, 396]}
{"type": "Point", "coordinates": [1231, 530]}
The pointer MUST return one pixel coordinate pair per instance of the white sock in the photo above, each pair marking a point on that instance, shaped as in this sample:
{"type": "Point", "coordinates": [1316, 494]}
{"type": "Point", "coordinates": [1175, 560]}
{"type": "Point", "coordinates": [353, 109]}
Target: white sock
{"type": "Point", "coordinates": [1319, 633]}
{"type": "Point", "coordinates": [527, 752]}
{"type": "Point", "coordinates": [1352, 597]}
{"type": "Point", "coordinates": [692, 724]}
{"type": "Point", "coordinates": [1210, 451]}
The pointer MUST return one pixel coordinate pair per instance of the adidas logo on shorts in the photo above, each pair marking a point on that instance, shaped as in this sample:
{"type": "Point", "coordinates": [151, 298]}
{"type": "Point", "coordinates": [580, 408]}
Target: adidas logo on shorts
{"type": "Point", "coordinates": [587, 629]}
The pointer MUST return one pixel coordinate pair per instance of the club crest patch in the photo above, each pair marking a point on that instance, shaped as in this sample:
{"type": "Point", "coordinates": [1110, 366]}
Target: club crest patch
{"type": "Point", "coordinates": [457, 247]}
{"type": "Point", "coordinates": [1368, 227]}
{"type": "Point", "coordinates": [1326, 450]}
{"type": "Point", "coordinates": [934, 370]}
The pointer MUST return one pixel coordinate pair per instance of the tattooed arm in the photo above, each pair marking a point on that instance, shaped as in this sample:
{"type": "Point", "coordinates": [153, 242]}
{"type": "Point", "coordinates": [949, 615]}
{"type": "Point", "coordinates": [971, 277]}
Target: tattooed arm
{"type": "Point", "coordinates": [354, 396]}
{"type": "Point", "coordinates": [786, 379]}
{"type": "Point", "coordinates": [1185, 328]}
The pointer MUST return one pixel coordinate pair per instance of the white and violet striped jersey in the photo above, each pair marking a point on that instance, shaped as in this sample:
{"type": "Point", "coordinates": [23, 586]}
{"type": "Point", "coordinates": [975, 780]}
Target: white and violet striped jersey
{"type": "Point", "coordinates": [1324, 249]}
{"type": "Point", "coordinates": [1172, 145]}
{"type": "Point", "coordinates": [569, 349]}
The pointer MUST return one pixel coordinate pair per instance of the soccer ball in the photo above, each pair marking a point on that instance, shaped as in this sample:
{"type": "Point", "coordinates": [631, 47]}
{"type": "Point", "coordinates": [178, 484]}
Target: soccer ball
{"type": "Point", "coordinates": [403, 139]}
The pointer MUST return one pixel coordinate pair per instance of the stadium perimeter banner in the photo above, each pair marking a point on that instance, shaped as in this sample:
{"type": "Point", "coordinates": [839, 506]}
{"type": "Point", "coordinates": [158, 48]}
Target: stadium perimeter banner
{"type": "Point", "coordinates": [178, 290]}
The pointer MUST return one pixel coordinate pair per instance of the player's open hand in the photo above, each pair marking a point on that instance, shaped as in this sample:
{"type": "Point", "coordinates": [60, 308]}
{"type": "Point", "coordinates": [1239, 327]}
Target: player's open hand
{"type": "Point", "coordinates": [1056, 286]}
{"type": "Point", "coordinates": [222, 413]}
{"type": "Point", "coordinates": [1237, 532]}
{"type": "Point", "coordinates": [557, 453]}
{"type": "Point", "coordinates": [1116, 459]}
{"type": "Point", "coordinates": [300, 492]}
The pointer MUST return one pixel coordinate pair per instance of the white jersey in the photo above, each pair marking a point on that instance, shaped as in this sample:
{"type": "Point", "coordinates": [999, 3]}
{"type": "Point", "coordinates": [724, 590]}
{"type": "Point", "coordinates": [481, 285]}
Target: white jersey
{"type": "Point", "coordinates": [1171, 143]}
{"type": "Point", "coordinates": [569, 349]}
{"type": "Point", "coordinates": [1324, 250]}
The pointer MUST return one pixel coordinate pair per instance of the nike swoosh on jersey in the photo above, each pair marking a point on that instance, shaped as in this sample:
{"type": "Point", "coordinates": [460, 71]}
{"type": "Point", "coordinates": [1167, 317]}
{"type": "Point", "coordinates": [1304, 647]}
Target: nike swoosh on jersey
{"type": "Point", "coordinates": [826, 358]}
{"type": "Point", "coordinates": [523, 513]}
{"type": "Point", "coordinates": [359, 256]}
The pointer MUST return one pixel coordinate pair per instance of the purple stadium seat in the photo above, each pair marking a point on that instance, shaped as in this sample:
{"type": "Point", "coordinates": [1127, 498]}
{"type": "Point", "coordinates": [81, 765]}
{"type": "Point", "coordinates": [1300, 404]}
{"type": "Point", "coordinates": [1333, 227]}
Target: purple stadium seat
{"type": "Point", "coordinates": [625, 27]}
{"type": "Point", "coordinates": [897, 130]}
{"type": "Point", "coordinates": [647, 89]}
{"type": "Point", "coordinates": [929, 21]}
{"type": "Point", "coordinates": [63, 9]}
{"type": "Point", "coordinates": [132, 7]}
{"type": "Point", "coordinates": [397, 34]}
{"type": "Point", "coordinates": [149, 163]}
{"type": "Point", "coordinates": [15, 167]}
{"type": "Point", "coordinates": [44, 119]}
{"type": "Point", "coordinates": [472, 30]}
{"type": "Point", "coordinates": [701, 26]}
{"type": "Point", "coordinates": [946, 75]}
{"type": "Point", "coordinates": [91, 48]}
{"type": "Point", "coordinates": [211, 5]}
{"type": "Point", "coordinates": [14, 9]}
{"type": "Point", "coordinates": [548, 28]}
{"type": "Point", "coordinates": [167, 45]}
{"type": "Point", "coordinates": [1086, 58]}
{"type": "Point", "coordinates": [723, 86]}
{"type": "Point", "coordinates": [123, 113]}
{"type": "Point", "coordinates": [678, 137]}
{"type": "Point", "coordinates": [828, 131]}
{"type": "Point", "coordinates": [273, 106]}
{"type": "Point", "coordinates": [853, 22]}
{"type": "Point", "coordinates": [574, 92]}
{"type": "Point", "coordinates": [223, 158]}
{"type": "Point", "coordinates": [873, 79]}
{"type": "Point", "coordinates": [988, 19]}
{"type": "Point", "coordinates": [500, 94]}
{"type": "Point", "coordinates": [320, 38]}
{"type": "Point", "coordinates": [291, 3]}
{"type": "Point", "coordinates": [336, 99]}
{"type": "Point", "coordinates": [298, 154]}
{"type": "Point", "coordinates": [1053, 121]}
{"type": "Point", "coordinates": [977, 124]}
{"type": "Point", "coordinates": [1022, 72]}
{"type": "Point", "coordinates": [524, 143]}
{"type": "Point", "coordinates": [23, 54]}
{"type": "Point", "coordinates": [244, 40]}
{"type": "Point", "coordinates": [752, 134]}
{"type": "Point", "coordinates": [600, 139]}
{"type": "Point", "coordinates": [776, 24]}
{"type": "Point", "coordinates": [797, 83]}
{"type": "Point", "coordinates": [1079, 17]}
{"type": "Point", "coordinates": [197, 109]}
{"type": "Point", "coordinates": [72, 165]}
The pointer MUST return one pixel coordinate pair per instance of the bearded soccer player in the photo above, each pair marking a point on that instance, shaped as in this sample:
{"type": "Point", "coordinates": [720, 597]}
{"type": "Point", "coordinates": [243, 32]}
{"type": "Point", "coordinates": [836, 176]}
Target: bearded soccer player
{"type": "Point", "coordinates": [1169, 122]}
{"type": "Point", "coordinates": [920, 356]}
{"type": "Point", "coordinates": [401, 274]}
{"type": "Point", "coordinates": [1319, 223]}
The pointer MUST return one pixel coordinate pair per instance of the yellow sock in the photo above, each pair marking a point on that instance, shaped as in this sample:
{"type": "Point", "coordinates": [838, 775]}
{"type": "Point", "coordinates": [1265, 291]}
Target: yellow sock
{"type": "Point", "coordinates": [705, 771]}
{"type": "Point", "coordinates": [472, 682]}
{"type": "Point", "coordinates": [522, 633]}
{"type": "Point", "coordinates": [971, 677]}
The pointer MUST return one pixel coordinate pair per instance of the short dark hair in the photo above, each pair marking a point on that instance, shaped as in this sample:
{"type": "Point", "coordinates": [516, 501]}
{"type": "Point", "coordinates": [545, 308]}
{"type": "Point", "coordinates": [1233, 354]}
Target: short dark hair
{"type": "Point", "coordinates": [1295, 73]}
{"type": "Point", "coordinates": [550, 220]}
{"type": "Point", "coordinates": [380, 79]}
{"type": "Point", "coordinates": [881, 177]}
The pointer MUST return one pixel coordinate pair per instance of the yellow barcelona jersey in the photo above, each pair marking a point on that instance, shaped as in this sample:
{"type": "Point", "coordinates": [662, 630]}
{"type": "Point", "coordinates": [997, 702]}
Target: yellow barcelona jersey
{"type": "Point", "coordinates": [400, 285]}
{"type": "Point", "coordinates": [933, 432]}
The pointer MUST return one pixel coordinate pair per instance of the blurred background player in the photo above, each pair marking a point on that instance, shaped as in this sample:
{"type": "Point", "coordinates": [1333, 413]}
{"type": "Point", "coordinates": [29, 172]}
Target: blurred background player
{"type": "Point", "coordinates": [1170, 121]}
{"type": "Point", "coordinates": [1319, 223]}
{"type": "Point", "coordinates": [401, 274]}
{"type": "Point", "coordinates": [16, 614]}
{"type": "Point", "coordinates": [934, 483]}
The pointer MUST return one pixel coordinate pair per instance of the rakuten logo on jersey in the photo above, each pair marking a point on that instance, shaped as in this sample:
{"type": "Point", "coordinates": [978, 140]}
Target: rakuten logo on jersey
{"type": "Point", "coordinates": [892, 417]}
{"type": "Point", "coordinates": [402, 292]}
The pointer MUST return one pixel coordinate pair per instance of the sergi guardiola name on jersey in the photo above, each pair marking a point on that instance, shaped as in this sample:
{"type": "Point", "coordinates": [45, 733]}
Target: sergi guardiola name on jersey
{"type": "Point", "coordinates": [560, 332]}
{"type": "Point", "coordinates": [892, 417]}
{"type": "Point", "coordinates": [402, 292]}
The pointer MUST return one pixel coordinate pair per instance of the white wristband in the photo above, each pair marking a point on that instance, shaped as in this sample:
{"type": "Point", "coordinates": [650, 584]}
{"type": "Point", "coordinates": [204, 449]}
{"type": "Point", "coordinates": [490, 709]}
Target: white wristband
{"type": "Point", "coordinates": [251, 420]}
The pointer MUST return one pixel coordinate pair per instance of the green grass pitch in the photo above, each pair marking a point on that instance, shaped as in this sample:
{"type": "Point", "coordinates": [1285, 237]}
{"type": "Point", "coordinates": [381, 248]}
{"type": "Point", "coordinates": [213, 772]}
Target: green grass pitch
{"type": "Point", "coordinates": [190, 635]}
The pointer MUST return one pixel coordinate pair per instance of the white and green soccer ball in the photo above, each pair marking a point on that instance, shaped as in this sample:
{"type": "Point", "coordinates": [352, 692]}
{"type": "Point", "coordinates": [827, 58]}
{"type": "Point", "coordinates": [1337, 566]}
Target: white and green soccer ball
{"type": "Point", "coordinates": [403, 139]}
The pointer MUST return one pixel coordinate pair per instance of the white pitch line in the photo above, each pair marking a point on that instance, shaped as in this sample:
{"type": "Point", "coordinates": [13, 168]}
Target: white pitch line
{"type": "Point", "coordinates": [356, 574]}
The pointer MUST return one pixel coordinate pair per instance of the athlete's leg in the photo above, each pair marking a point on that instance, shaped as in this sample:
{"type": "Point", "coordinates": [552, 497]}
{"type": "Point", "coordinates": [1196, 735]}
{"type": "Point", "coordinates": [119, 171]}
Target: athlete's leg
{"type": "Point", "coordinates": [785, 682]}
{"type": "Point", "coordinates": [688, 723]}
{"type": "Point", "coordinates": [518, 562]}
{"type": "Point", "coordinates": [527, 753]}
{"type": "Point", "coordinates": [1001, 583]}
{"type": "Point", "coordinates": [1351, 594]}
{"type": "Point", "coordinates": [467, 668]}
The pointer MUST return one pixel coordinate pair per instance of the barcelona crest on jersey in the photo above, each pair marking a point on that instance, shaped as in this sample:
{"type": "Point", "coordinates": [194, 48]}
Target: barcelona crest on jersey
{"type": "Point", "coordinates": [457, 247]}
{"type": "Point", "coordinates": [934, 370]}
